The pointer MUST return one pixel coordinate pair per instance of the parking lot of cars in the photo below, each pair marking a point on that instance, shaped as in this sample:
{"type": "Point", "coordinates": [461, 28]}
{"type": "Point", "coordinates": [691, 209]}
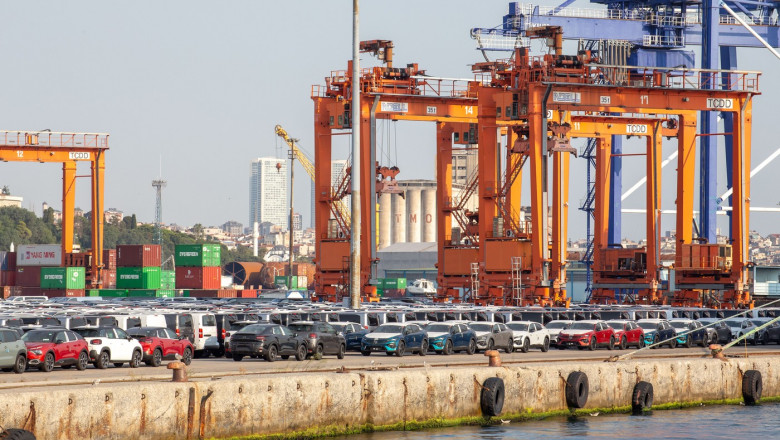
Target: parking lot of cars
{"type": "Point", "coordinates": [102, 334]}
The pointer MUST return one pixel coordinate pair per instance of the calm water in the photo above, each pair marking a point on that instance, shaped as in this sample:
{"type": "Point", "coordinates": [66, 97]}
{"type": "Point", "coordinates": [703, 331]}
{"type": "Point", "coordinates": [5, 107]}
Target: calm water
{"type": "Point", "coordinates": [711, 422]}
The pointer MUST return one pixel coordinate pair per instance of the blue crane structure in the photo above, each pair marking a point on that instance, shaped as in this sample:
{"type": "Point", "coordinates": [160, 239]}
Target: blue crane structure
{"type": "Point", "coordinates": [651, 33]}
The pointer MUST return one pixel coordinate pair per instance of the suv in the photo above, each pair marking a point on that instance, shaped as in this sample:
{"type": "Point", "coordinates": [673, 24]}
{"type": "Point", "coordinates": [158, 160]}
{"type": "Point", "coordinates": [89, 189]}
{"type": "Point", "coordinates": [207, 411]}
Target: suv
{"type": "Point", "coordinates": [55, 346]}
{"type": "Point", "coordinates": [588, 334]}
{"type": "Point", "coordinates": [160, 343]}
{"type": "Point", "coordinates": [267, 340]}
{"type": "Point", "coordinates": [321, 338]}
{"type": "Point", "coordinates": [13, 353]}
{"type": "Point", "coordinates": [111, 344]}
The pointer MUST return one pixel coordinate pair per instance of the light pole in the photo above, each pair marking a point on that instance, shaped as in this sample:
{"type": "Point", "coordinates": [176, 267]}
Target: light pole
{"type": "Point", "coordinates": [354, 284]}
{"type": "Point", "coordinates": [291, 155]}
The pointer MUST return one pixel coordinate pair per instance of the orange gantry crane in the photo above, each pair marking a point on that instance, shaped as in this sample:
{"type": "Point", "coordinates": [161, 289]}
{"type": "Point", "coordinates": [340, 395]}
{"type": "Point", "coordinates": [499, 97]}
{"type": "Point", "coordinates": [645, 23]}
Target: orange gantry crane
{"type": "Point", "coordinates": [68, 149]}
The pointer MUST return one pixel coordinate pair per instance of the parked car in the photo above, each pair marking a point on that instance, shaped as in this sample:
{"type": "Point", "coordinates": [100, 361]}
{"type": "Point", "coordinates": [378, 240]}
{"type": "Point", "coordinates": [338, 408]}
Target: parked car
{"type": "Point", "coordinates": [111, 345]}
{"type": "Point", "coordinates": [353, 334]}
{"type": "Point", "coordinates": [159, 343]}
{"type": "Point", "coordinates": [397, 339]}
{"type": "Point", "coordinates": [771, 334]}
{"type": "Point", "coordinates": [268, 341]}
{"type": "Point", "coordinates": [13, 352]}
{"type": "Point", "coordinates": [740, 326]}
{"type": "Point", "coordinates": [232, 328]}
{"type": "Point", "coordinates": [527, 334]}
{"type": "Point", "coordinates": [588, 334]}
{"type": "Point", "coordinates": [720, 333]}
{"type": "Point", "coordinates": [493, 335]}
{"type": "Point", "coordinates": [49, 347]}
{"type": "Point", "coordinates": [321, 338]}
{"type": "Point", "coordinates": [199, 327]}
{"type": "Point", "coordinates": [555, 327]}
{"type": "Point", "coordinates": [696, 334]}
{"type": "Point", "coordinates": [451, 337]}
{"type": "Point", "coordinates": [658, 330]}
{"type": "Point", "coordinates": [627, 333]}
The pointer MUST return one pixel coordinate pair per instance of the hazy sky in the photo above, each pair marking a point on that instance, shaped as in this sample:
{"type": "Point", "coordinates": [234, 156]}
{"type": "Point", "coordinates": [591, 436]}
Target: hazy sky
{"type": "Point", "coordinates": [200, 85]}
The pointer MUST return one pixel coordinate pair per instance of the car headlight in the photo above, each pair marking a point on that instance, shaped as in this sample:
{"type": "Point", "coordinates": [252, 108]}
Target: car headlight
{"type": "Point", "coordinates": [482, 338]}
{"type": "Point", "coordinates": [38, 352]}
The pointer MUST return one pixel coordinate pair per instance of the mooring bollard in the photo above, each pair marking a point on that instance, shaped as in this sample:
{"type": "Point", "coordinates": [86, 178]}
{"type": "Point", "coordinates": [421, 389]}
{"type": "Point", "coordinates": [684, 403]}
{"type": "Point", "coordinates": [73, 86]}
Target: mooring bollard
{"type": "Point", "coordinates": [179, 371]}
{"type": "Point", "coordinates": [494, 359]}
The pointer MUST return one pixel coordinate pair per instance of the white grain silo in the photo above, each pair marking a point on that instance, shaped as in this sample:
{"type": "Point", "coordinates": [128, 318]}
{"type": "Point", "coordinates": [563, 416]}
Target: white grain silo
{"type": "Point", "coordinates": [385, 220]}
{"type": "Point", "coordinates": [429, 215]}
{"type": "Point", "coordinates": [414, 214]}
{"type": "Point", "coordinates": [398, 219]}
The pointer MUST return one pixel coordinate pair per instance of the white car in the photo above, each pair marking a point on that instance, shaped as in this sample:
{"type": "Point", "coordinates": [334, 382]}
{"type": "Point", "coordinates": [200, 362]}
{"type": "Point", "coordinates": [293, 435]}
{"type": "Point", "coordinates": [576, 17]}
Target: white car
{"type": "Point", "coordinates": [111, 345]}
{"type": "Point", "coordinates": [527, 334]}
{"type": "Point", "coordinates": [554, 328]}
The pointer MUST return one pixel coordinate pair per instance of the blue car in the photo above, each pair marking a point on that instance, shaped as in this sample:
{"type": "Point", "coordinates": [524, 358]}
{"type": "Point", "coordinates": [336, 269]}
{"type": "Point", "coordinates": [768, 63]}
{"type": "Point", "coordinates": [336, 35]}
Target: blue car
{"type": "Point", "coordinates": [696, 333]}
{"type": "Point", "coordinates": [448, 337]}
{"type": "Point", "coordinates": [353, 333]}
{"type": "Point", "coordinates": [398, 339]}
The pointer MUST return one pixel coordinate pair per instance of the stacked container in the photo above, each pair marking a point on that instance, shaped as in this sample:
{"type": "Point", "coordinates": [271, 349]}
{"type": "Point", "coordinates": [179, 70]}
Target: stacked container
{"type": "Point", "coordinates": [62, 281]}
{"type": "Point", "coordinates": [138, 266]}
{"type": "Point", "coordinates": [7, 268]}
{"type": "Point", "coordinates": [109, 268]}
{"type": "Point", "coordinates": [168, 280]}
{"type": "Point", "coordinates": [198, 266]}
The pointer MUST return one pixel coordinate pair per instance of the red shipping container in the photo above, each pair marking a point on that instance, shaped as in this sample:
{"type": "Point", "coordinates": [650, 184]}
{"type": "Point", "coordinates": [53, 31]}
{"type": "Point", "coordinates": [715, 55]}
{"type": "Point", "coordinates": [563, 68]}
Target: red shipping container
{"type": "Point", "coordinates": [138, 255]}
{"type": "Point", "coordinates": [28, 276]}
{"type": "Point", "coordinates": [109, 278]}
{"type": "Point", "coordinates": [29, 291]}
{"type": "Point", "coordinates": [109, 259]}
{"type": "Point", "coordinates": [203, 293]}
{"type": "Point", "coordinates": [227, 293]}
{"type": "Point", "coordinates": [247, 293]}
{"type": "Point", "coordinates": [8, 278]}
{"type": "Point", "coordinates": [59, 293]}
{"type": "Point", "coordinates": [205, 278]}
{"type": "Point", "coordinates": [11, 260]}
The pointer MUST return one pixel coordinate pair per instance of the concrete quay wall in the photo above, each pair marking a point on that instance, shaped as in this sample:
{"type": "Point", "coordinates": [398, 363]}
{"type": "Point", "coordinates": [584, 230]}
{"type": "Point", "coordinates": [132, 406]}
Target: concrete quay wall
{"type": "Point", "coordinates": [295, 402]}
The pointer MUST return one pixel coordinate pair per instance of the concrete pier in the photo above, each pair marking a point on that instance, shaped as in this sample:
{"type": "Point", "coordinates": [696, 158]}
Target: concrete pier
{"type": "Point", "coordinates": [296, 402]}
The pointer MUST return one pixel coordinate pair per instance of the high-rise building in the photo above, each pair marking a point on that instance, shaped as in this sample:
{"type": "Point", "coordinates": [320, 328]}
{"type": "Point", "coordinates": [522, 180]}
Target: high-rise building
{"type": "Point", "coordinates": [464, 166]}
{"type": "Point", "coordinates": [268, 191]}
{"type": "Point", "coordinates": [338, 169]}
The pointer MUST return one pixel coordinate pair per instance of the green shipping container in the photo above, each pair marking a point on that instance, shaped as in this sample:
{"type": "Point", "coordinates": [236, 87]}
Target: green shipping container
{"type": "Point", "coordinates": [198, 255]}
{"type": "Point", "coordinates": [62, 278]}
{"type": "Point", "coordinates": [283, 281]}
{"type": "Point", "coordinates": [168, 279]}
{"type": "Point", "coordinates": [138, 277]}
{"type": "Point", "coordinates": [108, 293]}
{"type": "Point", "coordinates": [166, 293]}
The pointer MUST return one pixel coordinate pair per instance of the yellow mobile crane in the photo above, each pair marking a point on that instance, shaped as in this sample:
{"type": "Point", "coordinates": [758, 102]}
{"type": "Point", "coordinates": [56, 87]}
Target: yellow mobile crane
{"type": "Point", "coordinates": [307, 164]}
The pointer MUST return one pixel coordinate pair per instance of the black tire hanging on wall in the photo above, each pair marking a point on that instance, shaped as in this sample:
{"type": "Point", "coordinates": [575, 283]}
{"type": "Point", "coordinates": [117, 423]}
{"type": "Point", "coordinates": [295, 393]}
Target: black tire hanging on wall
{"type": "Point", "coordinates": [16, 434]}
{"type": "Point", "coordinates": [577, 389]}
{"type": "Point", "coordinates": [642, 397]}
{"type": "Point", "coordinates": [492, 399]}
{"type": "Point", "coordinates": [752, 387]}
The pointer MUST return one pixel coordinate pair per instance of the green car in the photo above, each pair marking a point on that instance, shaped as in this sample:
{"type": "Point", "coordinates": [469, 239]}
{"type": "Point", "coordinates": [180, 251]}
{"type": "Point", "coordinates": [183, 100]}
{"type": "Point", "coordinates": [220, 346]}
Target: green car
{"type": "Point", "coordinates": [13, 352]}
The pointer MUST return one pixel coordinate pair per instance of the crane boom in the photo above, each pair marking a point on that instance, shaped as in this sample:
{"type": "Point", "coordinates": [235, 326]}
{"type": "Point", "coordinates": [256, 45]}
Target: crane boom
{"type": "Point", "coordinates": [308, 166]}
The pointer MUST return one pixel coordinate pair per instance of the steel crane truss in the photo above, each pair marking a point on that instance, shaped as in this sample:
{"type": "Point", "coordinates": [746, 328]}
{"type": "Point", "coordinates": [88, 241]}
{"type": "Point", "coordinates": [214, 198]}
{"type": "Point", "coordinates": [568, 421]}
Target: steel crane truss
{"type": "Point", "coordinates": [68, 149]}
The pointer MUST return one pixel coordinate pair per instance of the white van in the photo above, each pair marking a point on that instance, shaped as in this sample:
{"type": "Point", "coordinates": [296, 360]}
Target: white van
{"type": "Point", "coordinates": [27, 299]}
{"type": "Point", "coordinates": [199, 327]}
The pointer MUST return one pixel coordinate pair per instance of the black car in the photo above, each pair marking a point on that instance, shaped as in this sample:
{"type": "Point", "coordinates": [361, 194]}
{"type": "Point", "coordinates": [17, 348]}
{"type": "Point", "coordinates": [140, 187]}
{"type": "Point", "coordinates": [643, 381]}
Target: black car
{"type": "Point", "coordinates": [722, 330]}
{"type": "Point", "coordinates": [353, 334]}
{"type": "Point", "coordinates": [321, 338]}
{"type": "Point", "coordinates": [771, 334]}
{"type": "Point", "coordinates": [268, 341]}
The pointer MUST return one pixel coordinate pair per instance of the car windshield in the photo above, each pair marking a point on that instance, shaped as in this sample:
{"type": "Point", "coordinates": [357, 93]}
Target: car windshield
{"type": "Point", "coordinates": [557, 325]}
{"type": "Point", "coordinates": [39, 336]}
{"type": "Point", "coordinates": [88, 332]}
{"type": "Point", "coordinates": [582, 326]}
{"type": "Point", "coordinates": [438, 328]}
{"type": "Point", "coordinates": [680, 324]}
{"type": "Point", "coordinates": [235, 326]}
{"type": "Point", "coordinates": [759, 322]}
{"type": "Point", "coordinates": [300, 327]}
{"type": "Point", "coordinates": [389, 328]}
{"type": "Point", "coordinates": [254, 329]}
{"type": "Point", "coordinates": [616, 325]}
{"type": "Point", "coordinates": [140, 332]}
{"type": "Point", "coordinates": [482, 327]}
{"type": "Point", "coordinates": [518, 326]}
{"type": "Point", "coordinates": [648, 325]}
{"type": "Point", "coordinates": [734, 323]}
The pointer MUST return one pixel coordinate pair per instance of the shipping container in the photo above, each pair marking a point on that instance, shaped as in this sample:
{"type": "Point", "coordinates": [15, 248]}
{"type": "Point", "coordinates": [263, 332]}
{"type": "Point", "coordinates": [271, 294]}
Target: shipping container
{"type": "Point", "coordinates": [39, 255]}
{"type": "Point", "coordinates": [138, 277]}
{"type": "Point", "coordinates": [7, 260]}
{"type": "Point", "coordinates": [109, 278]}
{"type": "Point", "coordinates": [60, 293]}
{"type": "Point", "coordinates": [28, 291]}
{"type": "Point", "coordinates": [109, 259]}
{"type": "Point", "coordinates": [166, 293]}
{"type": "Point", "coordinates": [142, 293]}
{"type": "Point", "coordinates": [28, 276]}
{"type": "Point", "coordinates": [303, 282]}
{"type": "Point", "coordinates": [108, 293]}
{"type": "Point", "coordinates": [7, 278]}
{"type": "Point", "coordinates": [138, 255]}
{"type": "Point", "coordinates": [198, 277]}
{"type": "Point", "coordinates": [77, 259]}
{"type": "Point", "coordinates": [62, 278]}
{"type": "Point", "coordinates": [168, 279]}
{"type": "Point", "coordinates": [247, 293]}
{"type": "Point", "coordinates": [198, 255]}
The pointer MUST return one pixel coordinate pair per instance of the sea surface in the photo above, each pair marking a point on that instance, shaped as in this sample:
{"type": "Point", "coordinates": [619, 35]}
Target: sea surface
{"type": "Point", "coordinates": [733, 422]}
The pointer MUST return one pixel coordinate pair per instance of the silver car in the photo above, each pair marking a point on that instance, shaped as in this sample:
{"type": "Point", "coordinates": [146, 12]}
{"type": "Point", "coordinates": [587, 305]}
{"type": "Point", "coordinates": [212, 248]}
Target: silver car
{"type": "Point", "coordinates": [493, 335]}
{"type": "Point", "coordinates": [13, 351]}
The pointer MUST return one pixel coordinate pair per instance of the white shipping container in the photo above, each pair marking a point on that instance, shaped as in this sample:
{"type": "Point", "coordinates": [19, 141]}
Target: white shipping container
{"type": "Point", "coordinates": [39, 255]}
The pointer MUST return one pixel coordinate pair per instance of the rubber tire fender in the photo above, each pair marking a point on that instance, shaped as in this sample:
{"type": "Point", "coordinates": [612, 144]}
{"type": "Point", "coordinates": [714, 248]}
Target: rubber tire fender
{"type": "Point", "coordinates": [492, 398]}
{"type": "Point", "coordinates": [16, 434]}
{"type": "Point", "coordinates": [577, 389]}
{"type": "Point", "coordinates": [642, 397]}
{"type": "Point", "coordinates": [752, 387]}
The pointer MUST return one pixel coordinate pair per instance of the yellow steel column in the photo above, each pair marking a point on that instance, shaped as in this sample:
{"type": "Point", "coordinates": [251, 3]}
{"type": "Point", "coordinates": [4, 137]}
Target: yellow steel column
{"type": "Point", "coordinates": [686, 171]}
{"type": "Point", "coordinates": [68, 206]}
{"type": "Point", "coordinates": [98, 166]}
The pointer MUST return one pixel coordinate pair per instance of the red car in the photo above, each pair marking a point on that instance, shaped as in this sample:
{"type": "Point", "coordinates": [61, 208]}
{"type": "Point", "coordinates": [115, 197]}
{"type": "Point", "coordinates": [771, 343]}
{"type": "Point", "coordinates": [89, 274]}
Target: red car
{"type": "Point", "coordinates": [162, 343]}
{"type": "Point", "coordinates": [627, 333]}
{"type": "Point", "coordinates": [48, 347]}
{"type": "Point", "coordinates": [587, 334]}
